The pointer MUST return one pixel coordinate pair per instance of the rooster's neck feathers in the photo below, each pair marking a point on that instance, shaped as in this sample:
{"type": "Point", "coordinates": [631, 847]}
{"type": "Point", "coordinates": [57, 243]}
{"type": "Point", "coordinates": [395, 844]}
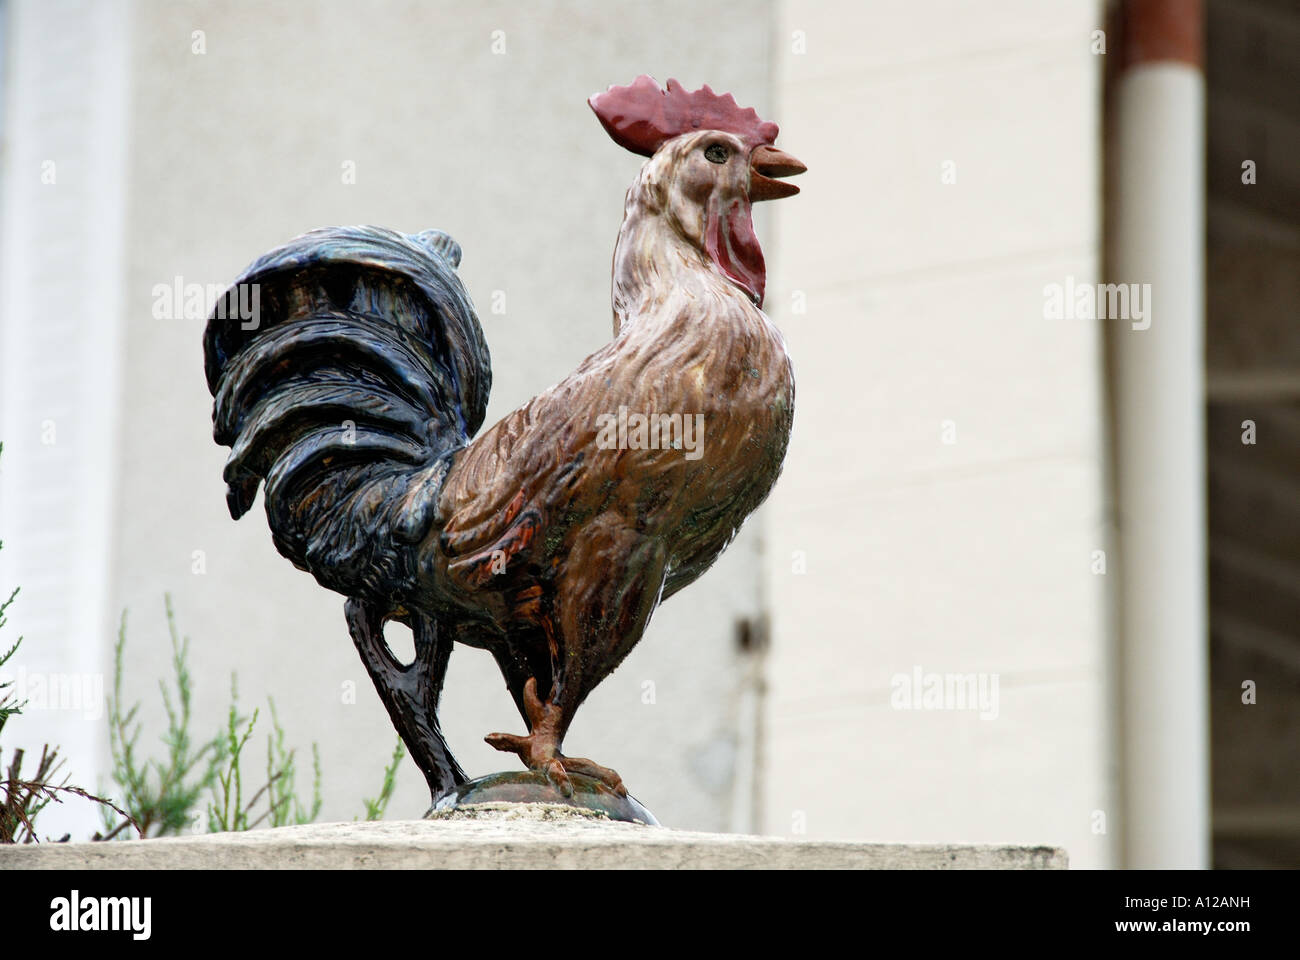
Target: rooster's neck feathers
{"type": "Point", "coordinates": [658, 260]}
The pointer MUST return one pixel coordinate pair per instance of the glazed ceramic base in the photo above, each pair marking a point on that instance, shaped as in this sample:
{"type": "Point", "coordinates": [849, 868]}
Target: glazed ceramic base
{"type": "Point", "coordinates": [531, 786]}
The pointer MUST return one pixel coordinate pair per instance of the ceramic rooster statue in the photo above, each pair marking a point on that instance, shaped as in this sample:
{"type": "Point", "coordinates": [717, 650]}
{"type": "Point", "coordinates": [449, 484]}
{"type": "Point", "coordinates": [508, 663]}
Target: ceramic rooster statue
{"type": "Point", "coordinates": [353, 394]}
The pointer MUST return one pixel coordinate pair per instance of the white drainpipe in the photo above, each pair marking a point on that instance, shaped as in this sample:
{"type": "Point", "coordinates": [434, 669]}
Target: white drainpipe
{"type": "Point", "coordinates": [1157, 238]}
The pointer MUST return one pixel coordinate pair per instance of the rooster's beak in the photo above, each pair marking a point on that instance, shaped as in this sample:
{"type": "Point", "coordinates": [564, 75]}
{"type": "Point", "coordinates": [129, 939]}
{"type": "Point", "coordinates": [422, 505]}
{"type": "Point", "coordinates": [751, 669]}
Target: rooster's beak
{"type": "Point", "coordinates": [768, 162]}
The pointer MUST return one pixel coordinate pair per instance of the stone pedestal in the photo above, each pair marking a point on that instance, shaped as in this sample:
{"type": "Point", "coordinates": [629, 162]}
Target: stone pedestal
{"type": "Point", "coordinates": [514, 836]}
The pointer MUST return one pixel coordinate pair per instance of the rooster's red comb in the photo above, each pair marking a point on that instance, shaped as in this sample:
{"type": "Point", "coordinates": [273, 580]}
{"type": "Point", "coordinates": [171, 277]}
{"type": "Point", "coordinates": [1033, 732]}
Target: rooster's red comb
{"type": "Point", "coordinates": [641, 116]}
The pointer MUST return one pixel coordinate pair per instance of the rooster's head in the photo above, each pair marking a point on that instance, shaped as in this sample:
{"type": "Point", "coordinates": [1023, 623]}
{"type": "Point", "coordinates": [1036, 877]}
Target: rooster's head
{"type": "Point", "coordinates": [709, 161]}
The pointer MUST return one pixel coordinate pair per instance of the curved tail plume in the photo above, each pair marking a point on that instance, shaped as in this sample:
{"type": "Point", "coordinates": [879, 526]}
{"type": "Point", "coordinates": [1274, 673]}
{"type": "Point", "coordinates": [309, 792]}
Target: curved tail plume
{"type": "Point", "coordinates": [362, 369]}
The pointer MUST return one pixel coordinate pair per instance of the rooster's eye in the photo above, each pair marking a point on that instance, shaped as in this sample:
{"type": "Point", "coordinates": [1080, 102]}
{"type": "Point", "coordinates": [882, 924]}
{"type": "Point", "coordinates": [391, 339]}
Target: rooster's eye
{"type": "Point", "coordinates": [716, 153]}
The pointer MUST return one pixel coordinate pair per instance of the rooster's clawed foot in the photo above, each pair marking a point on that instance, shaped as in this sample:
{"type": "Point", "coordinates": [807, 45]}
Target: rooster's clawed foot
{"type": "Point", "coordinates": [540, 749]}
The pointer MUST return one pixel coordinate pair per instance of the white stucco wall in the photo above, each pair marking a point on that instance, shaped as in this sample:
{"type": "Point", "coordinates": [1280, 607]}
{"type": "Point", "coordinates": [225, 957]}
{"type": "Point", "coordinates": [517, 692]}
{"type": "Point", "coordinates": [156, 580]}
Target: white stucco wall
{"type": "Point", "coordinates": [924, 304]}
{"type": "Point", "coordinates": [62, 207]}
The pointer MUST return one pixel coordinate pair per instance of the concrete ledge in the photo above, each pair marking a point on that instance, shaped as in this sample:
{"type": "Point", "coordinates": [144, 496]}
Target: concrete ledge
{"type": "Point", "coordinates": [506, 843]}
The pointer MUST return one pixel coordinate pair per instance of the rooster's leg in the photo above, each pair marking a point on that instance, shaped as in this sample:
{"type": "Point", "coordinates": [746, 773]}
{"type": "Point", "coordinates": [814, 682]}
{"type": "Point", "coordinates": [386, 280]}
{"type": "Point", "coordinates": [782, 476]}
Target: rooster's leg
{"type": "Point", "coordinates": [410, 693]}
{"type": "Point", "coordinates": [540, 750]}
{"type": "Point", "coordinates": [596, 620]}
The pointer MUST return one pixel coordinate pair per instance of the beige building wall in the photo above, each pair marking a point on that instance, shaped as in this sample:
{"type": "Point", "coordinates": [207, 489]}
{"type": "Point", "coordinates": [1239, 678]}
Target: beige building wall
{"type": "Point", "coordinates": [944, 492]}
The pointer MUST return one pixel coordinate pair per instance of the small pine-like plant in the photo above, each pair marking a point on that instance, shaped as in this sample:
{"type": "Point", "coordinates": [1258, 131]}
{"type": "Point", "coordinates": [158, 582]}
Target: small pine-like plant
{"type": "Point", "coordinates": [375, 808]}
{"type": "Point", "coordinates": [163, 795]}
{"type": "Point", "coordinates": [160, 795]}
{"type": "Point", "coordinates": [286, 808]}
